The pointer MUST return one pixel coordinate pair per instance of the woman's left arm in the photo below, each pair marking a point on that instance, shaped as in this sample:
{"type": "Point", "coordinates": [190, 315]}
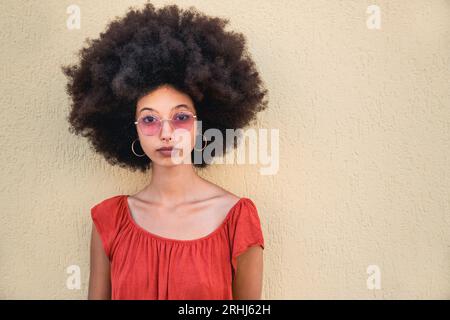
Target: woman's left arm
{"type": "Point", "coordinates": [247, 284]}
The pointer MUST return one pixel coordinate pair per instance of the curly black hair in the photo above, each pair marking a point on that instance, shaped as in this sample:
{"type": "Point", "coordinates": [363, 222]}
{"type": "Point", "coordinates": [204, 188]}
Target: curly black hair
{"type": "Point", "coordinates": [149, 48]}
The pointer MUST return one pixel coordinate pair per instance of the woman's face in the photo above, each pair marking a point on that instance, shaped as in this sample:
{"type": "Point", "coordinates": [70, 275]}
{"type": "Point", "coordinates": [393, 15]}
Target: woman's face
{"type": "Point", "coordinates": [166, 103]}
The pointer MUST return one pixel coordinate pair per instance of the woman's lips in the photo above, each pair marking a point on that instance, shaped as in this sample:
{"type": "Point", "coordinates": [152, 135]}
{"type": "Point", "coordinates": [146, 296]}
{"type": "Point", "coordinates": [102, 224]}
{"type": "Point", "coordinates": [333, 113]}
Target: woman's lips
{"type": "Point", "coordinates": [166, 151]}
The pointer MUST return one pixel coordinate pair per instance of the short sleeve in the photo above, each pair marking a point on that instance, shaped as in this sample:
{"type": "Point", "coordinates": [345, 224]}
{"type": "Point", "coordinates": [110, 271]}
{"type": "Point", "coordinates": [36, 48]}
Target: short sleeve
{"type": "Point", "coordinates": [245, 231]}
{"type": "Point", "coordinates": [107, 220]}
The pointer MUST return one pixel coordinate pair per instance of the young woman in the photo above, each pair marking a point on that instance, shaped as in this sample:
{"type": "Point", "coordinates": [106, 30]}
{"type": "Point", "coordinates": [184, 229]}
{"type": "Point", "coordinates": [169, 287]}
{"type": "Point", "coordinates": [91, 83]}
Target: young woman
{"type": "Point", "coordinates": [139, 94]}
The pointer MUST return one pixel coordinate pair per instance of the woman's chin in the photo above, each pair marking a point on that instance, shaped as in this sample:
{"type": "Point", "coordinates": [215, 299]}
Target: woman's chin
{"type": "Point", "coordinates": [175, 158]}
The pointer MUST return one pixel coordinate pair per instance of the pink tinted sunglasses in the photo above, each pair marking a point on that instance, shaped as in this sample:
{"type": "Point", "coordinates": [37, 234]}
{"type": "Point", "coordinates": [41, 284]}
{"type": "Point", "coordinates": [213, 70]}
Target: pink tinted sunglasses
{"type": "Point", "coordinates": [152, 124]}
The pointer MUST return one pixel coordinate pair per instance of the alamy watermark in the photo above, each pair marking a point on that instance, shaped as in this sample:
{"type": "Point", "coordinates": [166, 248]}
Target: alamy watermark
{"type": "Point", "coordinates": [253, 146]}
{"type": "Point", "coordinates": [73, 281]}
{"type": "Point", "coordinates": [374, 280]}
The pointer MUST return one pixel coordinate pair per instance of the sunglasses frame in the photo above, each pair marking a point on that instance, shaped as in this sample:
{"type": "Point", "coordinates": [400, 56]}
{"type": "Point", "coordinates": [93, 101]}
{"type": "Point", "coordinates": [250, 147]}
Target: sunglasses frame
{"type": "Point", "coordinates": [161, 121]}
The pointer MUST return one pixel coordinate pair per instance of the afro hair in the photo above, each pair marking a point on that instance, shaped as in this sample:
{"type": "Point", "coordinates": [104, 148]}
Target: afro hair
{"type": "Point", "coordinates": [151, 47]}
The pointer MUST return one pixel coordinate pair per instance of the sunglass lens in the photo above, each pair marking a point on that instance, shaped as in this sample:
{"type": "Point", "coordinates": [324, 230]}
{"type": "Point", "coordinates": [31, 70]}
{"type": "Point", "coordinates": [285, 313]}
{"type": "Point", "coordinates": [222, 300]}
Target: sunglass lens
{"type": "Point", "coordinates": [183, 121]}
{"type": "Point", "coordinates": [150, 125]}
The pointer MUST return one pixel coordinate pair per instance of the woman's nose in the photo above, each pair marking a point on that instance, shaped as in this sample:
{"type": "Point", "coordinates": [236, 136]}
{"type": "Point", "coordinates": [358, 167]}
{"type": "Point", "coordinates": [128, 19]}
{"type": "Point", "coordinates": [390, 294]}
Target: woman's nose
{"type": "Point", "coordinates": [166, 129]}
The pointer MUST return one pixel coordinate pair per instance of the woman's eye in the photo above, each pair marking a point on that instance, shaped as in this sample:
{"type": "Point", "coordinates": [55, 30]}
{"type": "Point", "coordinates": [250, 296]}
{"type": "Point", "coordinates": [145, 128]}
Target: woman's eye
{"type": "Point", "coordinates": [149, 119]}
{"type": "Point", "coordinates": [182, 117]}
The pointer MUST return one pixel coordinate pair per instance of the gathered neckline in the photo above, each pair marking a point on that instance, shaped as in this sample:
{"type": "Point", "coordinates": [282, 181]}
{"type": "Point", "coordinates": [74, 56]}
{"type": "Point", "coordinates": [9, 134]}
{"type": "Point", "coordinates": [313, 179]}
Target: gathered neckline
{"type": "Point", "coordinates": [162, 238]}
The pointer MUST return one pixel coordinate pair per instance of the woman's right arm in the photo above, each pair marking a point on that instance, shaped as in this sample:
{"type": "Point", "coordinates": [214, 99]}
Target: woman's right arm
{"type": "Point", "coordinates": [99, 278]}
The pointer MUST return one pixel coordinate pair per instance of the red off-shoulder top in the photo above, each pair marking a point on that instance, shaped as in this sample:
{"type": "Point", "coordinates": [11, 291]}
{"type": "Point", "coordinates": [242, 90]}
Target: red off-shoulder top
{"type": "Point", "coordinates": [148, 266]}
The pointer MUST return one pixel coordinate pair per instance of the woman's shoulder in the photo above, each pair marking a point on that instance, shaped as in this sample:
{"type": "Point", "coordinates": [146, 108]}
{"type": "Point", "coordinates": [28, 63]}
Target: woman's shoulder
{"type": "Point", "coordinates": [109, 201]}
{"type": "Point", "coordinates": [246, 207]}
{"type": "Point", "coordinates": [241, 210]}
{"type": "Point", "coordinates": [231, 200]}
{"type": "Point", "coordinates": [110, 208]}
{"type": "Point", "coordinates": [224, 196]}
{"type": "Point", "coordinates": [108, 217]}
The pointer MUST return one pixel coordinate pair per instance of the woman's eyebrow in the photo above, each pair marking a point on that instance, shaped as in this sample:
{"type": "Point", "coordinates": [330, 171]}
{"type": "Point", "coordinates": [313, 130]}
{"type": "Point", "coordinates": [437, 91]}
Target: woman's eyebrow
{"type": "Point", "coordinates": [176, 107]}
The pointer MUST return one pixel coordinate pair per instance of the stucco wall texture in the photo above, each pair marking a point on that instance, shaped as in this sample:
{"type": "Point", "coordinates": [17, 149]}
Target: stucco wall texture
{"type": "Point", "coordinates": [364, 122]}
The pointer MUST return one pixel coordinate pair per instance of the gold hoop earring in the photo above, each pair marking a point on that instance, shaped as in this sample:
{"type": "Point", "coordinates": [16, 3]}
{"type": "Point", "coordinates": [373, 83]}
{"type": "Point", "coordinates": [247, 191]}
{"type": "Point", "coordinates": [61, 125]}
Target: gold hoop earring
{"type": "Point", "coordinates": [203, 139]}
{"type": "Point", "coordinates": [132, 149]}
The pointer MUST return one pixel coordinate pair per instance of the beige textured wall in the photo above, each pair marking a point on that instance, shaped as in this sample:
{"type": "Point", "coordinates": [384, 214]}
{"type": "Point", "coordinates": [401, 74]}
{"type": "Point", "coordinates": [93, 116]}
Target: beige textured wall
{"type": "Point", "coordinates": [364, 120]}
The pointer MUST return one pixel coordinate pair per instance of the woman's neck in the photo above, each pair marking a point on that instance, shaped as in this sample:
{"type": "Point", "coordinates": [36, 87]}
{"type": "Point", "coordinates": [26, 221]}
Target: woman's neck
{"type": "Point", "coordinates": [173, 183]}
